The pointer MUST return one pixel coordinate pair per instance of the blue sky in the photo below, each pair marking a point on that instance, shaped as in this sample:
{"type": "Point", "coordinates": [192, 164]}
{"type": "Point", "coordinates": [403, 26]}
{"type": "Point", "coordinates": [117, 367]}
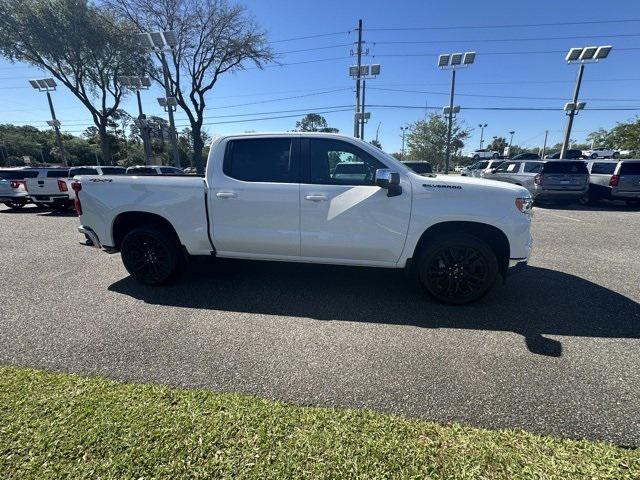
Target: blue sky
{"type": "Point", "coordinates": [409, 74]}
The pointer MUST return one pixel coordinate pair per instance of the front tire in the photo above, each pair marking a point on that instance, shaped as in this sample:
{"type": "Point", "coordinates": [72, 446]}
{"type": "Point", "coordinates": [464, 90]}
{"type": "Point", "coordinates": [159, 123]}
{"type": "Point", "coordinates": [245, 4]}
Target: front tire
{"type": "Point", "coordinates": [150, 255]}
{"type": "Point", "coordinates": [457, 268]}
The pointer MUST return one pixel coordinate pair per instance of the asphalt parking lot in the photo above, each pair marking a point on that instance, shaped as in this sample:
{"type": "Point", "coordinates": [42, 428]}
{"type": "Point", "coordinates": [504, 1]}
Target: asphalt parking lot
{"type": "Point", "coordinates": [555, 350]}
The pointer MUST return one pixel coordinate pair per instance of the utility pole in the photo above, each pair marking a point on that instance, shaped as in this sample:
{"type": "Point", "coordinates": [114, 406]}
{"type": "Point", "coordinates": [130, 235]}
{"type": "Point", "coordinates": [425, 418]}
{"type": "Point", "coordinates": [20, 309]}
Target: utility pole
{"type": "Point", "coordinates": [362, 119]}
{"type": "Point", "coordinates": [544, 146]}
{"type": "Point", "coordinates": [144, 131]}
{"type": "Point", "coordinates": [356, 118]}
{"type": "Point", "coordinates": [572, 113]}
{"type": "Point", "coordinates": [378, 130]}
{"type": "Point", "coordinates": [450, 123]}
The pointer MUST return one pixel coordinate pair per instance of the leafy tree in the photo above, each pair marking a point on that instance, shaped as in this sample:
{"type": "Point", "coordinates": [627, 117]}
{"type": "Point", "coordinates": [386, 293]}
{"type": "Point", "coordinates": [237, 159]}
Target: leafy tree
{"type": "Point", "coordinates": [376, 143]}
{"type": "Point", "coordinates": [498, 144]}
{"type": "Point", "coordinates": [213, 38]}
{"type": "Point", "coordinates": [601, 138]}
{"type": "Point", "coordinates": [82, 45]}
{"type": "Point", "coordinates": [312, 122]}
{"type": "Point", "coordinates": [427, 139]}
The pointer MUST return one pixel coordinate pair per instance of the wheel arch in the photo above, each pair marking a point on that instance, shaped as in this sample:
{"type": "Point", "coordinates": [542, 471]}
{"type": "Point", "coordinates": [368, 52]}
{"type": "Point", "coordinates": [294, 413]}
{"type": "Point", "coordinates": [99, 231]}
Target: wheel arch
{"type": "Point", "coordinates": [493, 236]}
{"type": "Point", "coordinates": [127, 221]}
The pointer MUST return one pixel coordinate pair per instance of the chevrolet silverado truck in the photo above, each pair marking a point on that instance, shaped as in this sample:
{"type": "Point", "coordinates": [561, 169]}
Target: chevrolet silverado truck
{"type": "Point", "coordinates": [278, 197]}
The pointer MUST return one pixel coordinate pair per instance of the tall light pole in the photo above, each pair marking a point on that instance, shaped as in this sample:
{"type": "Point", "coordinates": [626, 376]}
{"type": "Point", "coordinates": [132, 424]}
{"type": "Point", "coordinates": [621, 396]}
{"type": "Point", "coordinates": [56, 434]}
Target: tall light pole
{"type": "Point", "coordinates": [136, 84]}
{"type": "Point", "coordinates": [544, 146]}
{"type": "Point", "coordinates": [453, 61]}
{"type": "Point", "coordinates": [48, 85]}
{"type": "Point", "coordinates": [161, 42]}
{"type": "Point", "coordinates": [512, 133]}
{"type": "Point", "coordinates": [404, 129]}
{"type": "Point", "coordinates": [482, 127]}
{"type": "Point", "coordinates": [580, 55]}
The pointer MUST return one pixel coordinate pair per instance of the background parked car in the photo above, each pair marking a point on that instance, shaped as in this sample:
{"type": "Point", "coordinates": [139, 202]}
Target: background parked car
{"type": "Point", "coordinates": [483, 154]}
{"type": "Point", "coordinates": [479, 169]}
{"type": "Point", "coordinates": [420, 167]}
{"type": "Point", "coordinates": [154, 170]}
{"type": "Point", "coordinates": [49, 188]}
{"type": "Point", "coordinates": [570, 154]}
{"type": "Point", "coordinates": [561, 180]}
{"type": "Point", "coordinates": [614, 180]}
{"type": "Point", "coordinates": [517, 172]}
{"type": "Point", "coordinates": [526, 156]}
{"type": "Point", "coordinates": [600, 153]}
{"type": "Point", "coordinates": [13, 188]}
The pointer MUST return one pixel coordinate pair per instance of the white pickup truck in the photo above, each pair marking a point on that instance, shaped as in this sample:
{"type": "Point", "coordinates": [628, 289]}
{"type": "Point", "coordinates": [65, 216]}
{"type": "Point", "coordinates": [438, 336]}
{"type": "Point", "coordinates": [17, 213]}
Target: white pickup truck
{"type": "Point", "coordinates": [277, 197]}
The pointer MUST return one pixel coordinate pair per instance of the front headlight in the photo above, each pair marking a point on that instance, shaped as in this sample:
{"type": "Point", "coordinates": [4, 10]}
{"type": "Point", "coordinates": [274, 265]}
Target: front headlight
{"type": "Point", "coordinates": [524, 205]}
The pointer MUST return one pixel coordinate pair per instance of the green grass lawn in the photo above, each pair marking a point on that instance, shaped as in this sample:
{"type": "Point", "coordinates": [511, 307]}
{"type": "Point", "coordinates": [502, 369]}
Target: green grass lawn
{"type": "Point", "coordinates": [68, 426]}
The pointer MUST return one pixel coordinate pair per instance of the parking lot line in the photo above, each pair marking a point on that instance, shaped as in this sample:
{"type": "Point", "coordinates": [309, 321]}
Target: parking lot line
{"type": "Point", "coordinates": [559, 216]}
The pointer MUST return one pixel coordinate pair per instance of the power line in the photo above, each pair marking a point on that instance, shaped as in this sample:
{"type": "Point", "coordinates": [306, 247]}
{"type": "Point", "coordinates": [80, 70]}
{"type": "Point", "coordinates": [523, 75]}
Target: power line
{"type": "Point", "coordinates": [341, 45]}
{"type": "Point", "coordinates": [279, 99]}
{"type": "Point", "coordinates": [488, 40]}
{"type": "Point", "coordinates": [521, 25]}
{"type": "Point", "coordinates": [505, 96]}
{"type": "Point", "coordinates": [319, 35]}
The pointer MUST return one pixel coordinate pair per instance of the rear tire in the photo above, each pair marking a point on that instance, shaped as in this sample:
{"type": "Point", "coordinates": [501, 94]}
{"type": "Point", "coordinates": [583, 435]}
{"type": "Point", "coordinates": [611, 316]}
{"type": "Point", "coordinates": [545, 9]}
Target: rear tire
{"type": "Point", "coordinates": [616, 154]}
{"type": "Point", "coordinates": [150, 255]}
{"type": "Point", "coordinates": [594, 156]}
{"type": "Point", "coordinates": [495, 155]}
{"type": "Point", "coordinates": [457, 268]}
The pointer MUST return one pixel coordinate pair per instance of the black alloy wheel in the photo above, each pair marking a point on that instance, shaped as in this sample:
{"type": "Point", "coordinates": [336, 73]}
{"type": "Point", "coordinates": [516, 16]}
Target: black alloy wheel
{"type": "Point", "coordinates": [149, 255]}
{"type": "Point", "coordinates": [458, 269]}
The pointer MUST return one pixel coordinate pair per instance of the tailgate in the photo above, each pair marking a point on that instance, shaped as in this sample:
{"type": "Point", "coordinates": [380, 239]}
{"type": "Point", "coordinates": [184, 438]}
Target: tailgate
{"type": "Point", "coordinates": [565, 181]}
{"type": "Point", "coordinates": [44, 187]}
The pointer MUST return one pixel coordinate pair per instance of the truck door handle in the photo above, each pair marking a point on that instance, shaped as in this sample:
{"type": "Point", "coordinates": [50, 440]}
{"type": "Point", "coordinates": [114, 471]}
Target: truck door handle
{"type": "Point", "coordinates": [226, 195]}
{"type": "Point", "coordinates": [315, 197]}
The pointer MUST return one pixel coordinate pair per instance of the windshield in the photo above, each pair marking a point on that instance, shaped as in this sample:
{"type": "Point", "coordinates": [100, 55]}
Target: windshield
{"type": "Point", "coordinates": [565, 167]}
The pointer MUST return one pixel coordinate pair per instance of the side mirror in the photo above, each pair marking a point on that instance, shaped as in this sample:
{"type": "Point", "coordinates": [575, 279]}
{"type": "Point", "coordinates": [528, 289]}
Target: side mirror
{"type": "Point", "coordinates": [390, 180]}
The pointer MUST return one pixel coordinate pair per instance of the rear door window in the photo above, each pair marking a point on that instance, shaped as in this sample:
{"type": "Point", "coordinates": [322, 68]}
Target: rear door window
{"type": "Point", "coordinates": [171, 171]}
{"type": "Point", "coordinates": [630, 168]}
{"type": "Point", "coordinates": [603, 168]}
{"type": "Point", "coordinates": [260, 160]}
{"type": "Point", "coordinates": [142, 171]}
{"type": "Point", "coordinates": [565, 167]}
{"type": "Point", "coordinates": [57, 173]}
{"type": "Point", "coordinates": [113, 170]}
{"type": "Point", "coordinates": [533, 167]}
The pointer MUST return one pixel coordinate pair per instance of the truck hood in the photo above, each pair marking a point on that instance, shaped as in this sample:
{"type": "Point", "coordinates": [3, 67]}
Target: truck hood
{"type": "Point", "coordinates": [470, 185]}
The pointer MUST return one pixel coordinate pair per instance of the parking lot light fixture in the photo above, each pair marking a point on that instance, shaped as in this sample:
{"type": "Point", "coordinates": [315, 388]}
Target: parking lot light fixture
{"type": "Point", "coordinates": [161, 42]}
{"type": "Point", "coordinates": [453, 61]}
{"type": "Point", "coordinates": [136, 84]}
{"type": "Point", "coordinates": [48, 85]}
{"type": "Point", "coordinates": [581, 55]}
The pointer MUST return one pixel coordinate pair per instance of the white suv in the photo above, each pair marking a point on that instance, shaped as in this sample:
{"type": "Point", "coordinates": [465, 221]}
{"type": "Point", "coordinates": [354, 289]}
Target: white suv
{"type": "Point", "coordinates": [484, 154]}
{"type": "Point", "coordinates": [601, 153]}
